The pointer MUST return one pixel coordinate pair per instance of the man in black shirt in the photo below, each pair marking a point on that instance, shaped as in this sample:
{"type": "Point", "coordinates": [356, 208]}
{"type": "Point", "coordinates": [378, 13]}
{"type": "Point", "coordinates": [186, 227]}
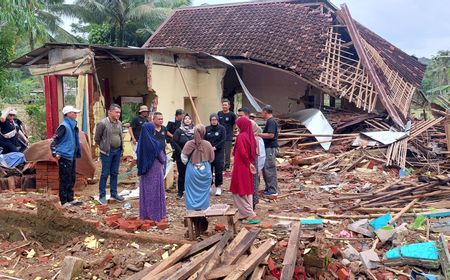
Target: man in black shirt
{"type": "Point", "coordinates": [135, 130]}
{"type": "Point", "coordinates": [216, 134]}
{"type": "Point", "coordinates": [227, 118]}
{"type": "Point", "coordinates": [160, 129]}
{"type": "Point", "coordinates": [270, 137]}
{"type": "Point", "coordinates": [174, 124]}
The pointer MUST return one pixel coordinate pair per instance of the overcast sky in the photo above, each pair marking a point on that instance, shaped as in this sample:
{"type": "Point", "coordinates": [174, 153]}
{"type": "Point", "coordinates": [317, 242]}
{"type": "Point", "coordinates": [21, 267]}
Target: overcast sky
{"type": "Point", "coordinates": [419, 27]}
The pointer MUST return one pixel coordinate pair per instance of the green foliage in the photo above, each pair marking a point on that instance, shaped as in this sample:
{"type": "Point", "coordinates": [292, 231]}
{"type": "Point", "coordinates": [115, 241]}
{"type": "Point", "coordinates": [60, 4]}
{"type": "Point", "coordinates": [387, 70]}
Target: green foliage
{"type": "Point", "coordinates": [121, 22]}
{"type": "Point", "coordinates": [101, 34]}
{"type": "Point", "coordinates": [37, 125]}
{"type": "Point", "coordinates": [437, 75]}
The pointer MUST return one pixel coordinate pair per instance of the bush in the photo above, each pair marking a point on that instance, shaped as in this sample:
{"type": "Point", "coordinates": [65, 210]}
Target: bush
{"type": "Point", "coordinates": [37, 126]}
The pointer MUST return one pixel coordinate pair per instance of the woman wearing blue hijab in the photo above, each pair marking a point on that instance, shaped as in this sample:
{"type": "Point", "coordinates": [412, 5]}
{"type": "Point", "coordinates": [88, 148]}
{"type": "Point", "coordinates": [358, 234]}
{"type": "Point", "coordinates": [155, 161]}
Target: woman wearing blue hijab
{"type": "Point", "coordinates": [151, 159]}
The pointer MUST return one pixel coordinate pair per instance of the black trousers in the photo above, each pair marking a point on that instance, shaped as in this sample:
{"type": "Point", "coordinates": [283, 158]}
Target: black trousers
{"type": "Point", "coordinates": [181, 167]}
{"type": "Point", "coordinates": [8, 146]}
{"type": "Point", "coordinates": [217, 167]}
{"type": "Point", "coordinates": [67, 177]}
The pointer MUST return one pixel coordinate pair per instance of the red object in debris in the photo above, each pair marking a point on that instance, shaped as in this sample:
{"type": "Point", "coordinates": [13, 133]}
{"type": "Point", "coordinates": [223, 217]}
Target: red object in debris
{"type": "Point", "coordinates": [283, 243]}
{"type": "Point", "coordinates": [150, 222]}
{"type": "Point", "coordinates": [93, 222]}
{"type": "Point", "coordinates": [128, 226]}
{"type": "Point", "coordinates": [402, 277]}
{"type": "Point", "coordinates": [219, 227]}
{"type": "Point", "coordinates": [4, 262]}
{"type": "Point", "coordinates": [384, 275]}
{"type": "Point", "coordinates": [162, 225]}
{"type": "Point", "coordinates": [336, 251]}
{"type": "Point", "coordinates": [43, 259]}
{"type": "Point", "coordinates": [343, 274]}
{"type": "Point", "coordinates": [371, 164]}
{"type": "Point", "coordinates": [333, 267]}
{"type": "Point", "coordinates": [101, 209]}
{"type": "Point", "coordinates": [106, 260]}
{"type": "Point", "coordinates": [299, 273]}
{"type": "Point", "coordinates": [266, 226]}
{"type": "Point", "coordinates": [146, 227]}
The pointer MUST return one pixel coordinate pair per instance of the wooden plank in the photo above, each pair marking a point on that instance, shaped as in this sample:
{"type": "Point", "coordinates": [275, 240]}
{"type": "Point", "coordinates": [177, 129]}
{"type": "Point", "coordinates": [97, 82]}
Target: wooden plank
{"type": "Point", "coordinates": [221, 271]}
{"type": "Point", "coordinates": [166, 273]}
{"type": "Point", "coordinates": [170, 261]}
{"type": "Point", "coordinates": [290, 257]}
{"type": "Point", "coordinates": [215, 258]}
{"type": "Point", "coordinates": [374, 79]}
{"type": "Point", "coordinates": [141, 274]}
{"type": "Point", "coordinates": [260, 270]}
{"type": "Point", "coordinates": [203, 245]}
{"type": "Point", "coordinates": [189, 268]}
{"type": "Point", "coordinates": [244, 269]}
{"type": "Point", "coordinates": [235, 242]}
{"type": "Point", "coordinates": [241, 248]}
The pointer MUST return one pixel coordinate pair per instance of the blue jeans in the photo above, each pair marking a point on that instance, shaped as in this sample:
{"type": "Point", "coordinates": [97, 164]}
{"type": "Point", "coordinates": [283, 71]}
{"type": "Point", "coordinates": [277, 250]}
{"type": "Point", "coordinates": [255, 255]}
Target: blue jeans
{"type": "Point", "coordinates": [110, 167]}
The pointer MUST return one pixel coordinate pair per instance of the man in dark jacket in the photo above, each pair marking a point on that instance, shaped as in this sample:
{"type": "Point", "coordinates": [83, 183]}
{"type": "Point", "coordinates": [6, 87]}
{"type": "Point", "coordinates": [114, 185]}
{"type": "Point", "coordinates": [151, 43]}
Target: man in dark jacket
{"type": "Point", "coordinates": [66, 149]}
{"type": "Point", "coordinates": [216, 135]}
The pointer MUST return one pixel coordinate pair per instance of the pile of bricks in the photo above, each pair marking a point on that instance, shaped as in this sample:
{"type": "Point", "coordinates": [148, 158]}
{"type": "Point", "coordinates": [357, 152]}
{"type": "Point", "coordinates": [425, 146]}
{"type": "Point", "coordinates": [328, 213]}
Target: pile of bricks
{"type": "Point", "coordinates": [47, 176]}
{"type": "Point", "coordinates": [115, 221]}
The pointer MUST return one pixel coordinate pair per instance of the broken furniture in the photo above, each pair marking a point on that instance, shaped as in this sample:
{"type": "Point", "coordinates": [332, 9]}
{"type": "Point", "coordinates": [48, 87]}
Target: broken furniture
{"type": "Point", "coordinates": [193, 232]}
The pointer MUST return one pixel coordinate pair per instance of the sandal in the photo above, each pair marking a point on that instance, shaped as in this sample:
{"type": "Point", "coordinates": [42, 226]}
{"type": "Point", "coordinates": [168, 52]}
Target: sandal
{"type": "Point", "coordinates": [251, 222]}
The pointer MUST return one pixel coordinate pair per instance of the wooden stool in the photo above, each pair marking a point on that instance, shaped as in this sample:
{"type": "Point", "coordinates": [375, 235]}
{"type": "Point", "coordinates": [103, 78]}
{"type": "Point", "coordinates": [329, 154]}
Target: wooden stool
{"type": "Point", "coordinates": [194, 233]}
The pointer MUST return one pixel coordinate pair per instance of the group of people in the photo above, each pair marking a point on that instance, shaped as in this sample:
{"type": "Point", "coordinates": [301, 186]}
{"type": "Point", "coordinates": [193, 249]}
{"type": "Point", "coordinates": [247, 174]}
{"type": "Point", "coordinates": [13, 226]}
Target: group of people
{"type": "Point", "coordinates": [201, 155]}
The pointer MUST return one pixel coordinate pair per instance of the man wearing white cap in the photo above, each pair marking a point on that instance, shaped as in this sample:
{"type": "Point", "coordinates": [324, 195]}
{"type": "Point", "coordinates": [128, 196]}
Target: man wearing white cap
{"type": "Point", "coordinates": [66, 149]}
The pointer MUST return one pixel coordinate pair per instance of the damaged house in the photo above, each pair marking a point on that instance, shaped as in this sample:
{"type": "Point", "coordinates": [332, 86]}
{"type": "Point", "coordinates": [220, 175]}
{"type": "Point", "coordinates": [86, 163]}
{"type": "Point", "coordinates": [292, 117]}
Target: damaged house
{"type": "Point", "coordinates": [293, 55]}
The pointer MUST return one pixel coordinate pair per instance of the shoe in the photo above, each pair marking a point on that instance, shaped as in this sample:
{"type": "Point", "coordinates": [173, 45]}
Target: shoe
{"type": "Point", "coordinates": [179, 196]}
{"type": "Point", "coordinates": [66, 205]}
{"type": "Point", "coordinates": [76, 202]}
{"type": "Point", "coordinates": [266, 193]}
{"type": "Point", "coordinates": [102, 200]}
{"type": "Point", "coordinates": [117, 198]}
{"type": "Point", "coordinates": [251, 222]}
{"type": "Point", "coordinates": [218, 191]}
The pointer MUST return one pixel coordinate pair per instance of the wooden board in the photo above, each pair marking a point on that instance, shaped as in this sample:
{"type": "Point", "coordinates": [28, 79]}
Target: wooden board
{"type": "Point", "coordinates": [290, 257]}
{"type": "Point", "coordinates": [241, 247]}
{"type": "Point", "coordinates": [170, 261]}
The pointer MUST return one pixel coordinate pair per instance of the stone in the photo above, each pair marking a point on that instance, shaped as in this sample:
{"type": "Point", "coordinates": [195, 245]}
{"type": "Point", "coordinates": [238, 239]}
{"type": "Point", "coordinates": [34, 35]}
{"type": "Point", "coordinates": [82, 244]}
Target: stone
{"type": "Point", "coordinates": [351, 253]}
{"type": "Point", "coordinates": [71, 268]}
{"type": "Point", "coordinates": [362, 227]}
{"type": "Point", "coordinates": [370, 259]}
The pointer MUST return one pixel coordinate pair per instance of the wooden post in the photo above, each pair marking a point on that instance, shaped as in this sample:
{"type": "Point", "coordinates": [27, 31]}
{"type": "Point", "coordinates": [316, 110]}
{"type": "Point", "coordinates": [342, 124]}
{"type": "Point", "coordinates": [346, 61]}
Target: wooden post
{"type": "Point", "coordinates": [190, 96]}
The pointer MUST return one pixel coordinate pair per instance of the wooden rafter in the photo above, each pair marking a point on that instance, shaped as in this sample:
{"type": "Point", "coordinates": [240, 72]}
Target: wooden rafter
{"type": "Point", "coordinates": [344, 13]}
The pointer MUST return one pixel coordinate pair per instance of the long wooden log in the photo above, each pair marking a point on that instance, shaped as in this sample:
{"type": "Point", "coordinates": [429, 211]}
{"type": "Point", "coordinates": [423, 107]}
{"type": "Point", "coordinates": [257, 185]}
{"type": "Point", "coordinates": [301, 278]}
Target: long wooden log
{"type": "Point", "coordinates": [241, 247]}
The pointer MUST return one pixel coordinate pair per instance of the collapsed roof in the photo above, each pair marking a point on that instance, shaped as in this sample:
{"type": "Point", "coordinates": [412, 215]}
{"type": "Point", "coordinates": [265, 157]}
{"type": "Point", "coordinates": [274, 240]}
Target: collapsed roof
{"type": "Point", "coordinates": [313, 39]}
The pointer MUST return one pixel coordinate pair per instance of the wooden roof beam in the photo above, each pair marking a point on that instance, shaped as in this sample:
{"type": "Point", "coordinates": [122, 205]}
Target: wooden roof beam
{"type": "Point", "coordinates": [344, 13]}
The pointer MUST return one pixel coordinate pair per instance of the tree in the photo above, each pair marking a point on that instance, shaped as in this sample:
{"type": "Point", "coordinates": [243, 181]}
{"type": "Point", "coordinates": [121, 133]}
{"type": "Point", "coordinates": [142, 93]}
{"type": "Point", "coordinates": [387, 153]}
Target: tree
{"type": "Point", "coordinates": [437, 74]}
{"type": "Point", "coordinates": [122, 22]}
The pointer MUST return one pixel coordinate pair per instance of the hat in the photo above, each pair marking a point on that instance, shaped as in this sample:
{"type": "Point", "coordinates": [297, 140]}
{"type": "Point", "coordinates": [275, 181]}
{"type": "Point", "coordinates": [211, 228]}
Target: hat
{"type": "Point", "coordinates": [143, 108]}
{"type": "Point", "coordinates": [70, 108]}
{"type": "Point", "coordinates": [252, 115]}
{"type": "Point", "coordinates": [13, 112]}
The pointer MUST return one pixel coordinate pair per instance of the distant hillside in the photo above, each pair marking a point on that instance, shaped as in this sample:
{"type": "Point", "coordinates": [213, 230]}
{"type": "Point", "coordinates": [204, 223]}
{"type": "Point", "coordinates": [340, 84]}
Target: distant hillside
{"type": "Point", "coordinates": [424, 60]}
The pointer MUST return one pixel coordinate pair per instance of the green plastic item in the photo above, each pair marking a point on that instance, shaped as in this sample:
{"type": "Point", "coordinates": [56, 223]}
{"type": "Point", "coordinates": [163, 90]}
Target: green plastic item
{"type": "Point", "coordinates": [418, 222]}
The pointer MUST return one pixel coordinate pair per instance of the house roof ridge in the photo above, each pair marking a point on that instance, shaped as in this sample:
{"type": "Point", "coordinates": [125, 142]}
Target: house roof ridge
{"type": "Point", "coordinates": [255, 2]}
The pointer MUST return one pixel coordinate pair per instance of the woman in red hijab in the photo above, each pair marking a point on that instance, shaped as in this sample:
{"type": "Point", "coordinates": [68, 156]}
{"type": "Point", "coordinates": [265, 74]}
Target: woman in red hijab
{"type": "Point", "coordinates": [243, 170]}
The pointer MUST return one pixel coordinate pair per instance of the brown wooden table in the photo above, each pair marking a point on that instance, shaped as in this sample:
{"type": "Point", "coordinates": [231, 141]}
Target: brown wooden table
{"type": "Point", "coordinates": [230, 214]}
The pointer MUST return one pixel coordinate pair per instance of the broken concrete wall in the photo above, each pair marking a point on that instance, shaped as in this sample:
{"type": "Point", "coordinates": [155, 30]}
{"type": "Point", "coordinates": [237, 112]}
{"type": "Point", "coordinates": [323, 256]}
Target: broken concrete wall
{"type": "Point", "coordinates": [204, 85]}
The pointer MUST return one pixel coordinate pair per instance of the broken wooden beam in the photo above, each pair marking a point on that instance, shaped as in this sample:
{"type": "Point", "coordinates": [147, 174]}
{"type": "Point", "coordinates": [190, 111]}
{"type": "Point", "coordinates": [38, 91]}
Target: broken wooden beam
{"type": "Point", "coordinates": [170, 261]}
{"type": "Point", "coordinates": [244, 244]}
{"type": "Point", "coordinates": [290, 257]}
{"type": "Point", "coordinates": [247, 267]}
{"type": "Point", "coordinates": [215, 258]}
